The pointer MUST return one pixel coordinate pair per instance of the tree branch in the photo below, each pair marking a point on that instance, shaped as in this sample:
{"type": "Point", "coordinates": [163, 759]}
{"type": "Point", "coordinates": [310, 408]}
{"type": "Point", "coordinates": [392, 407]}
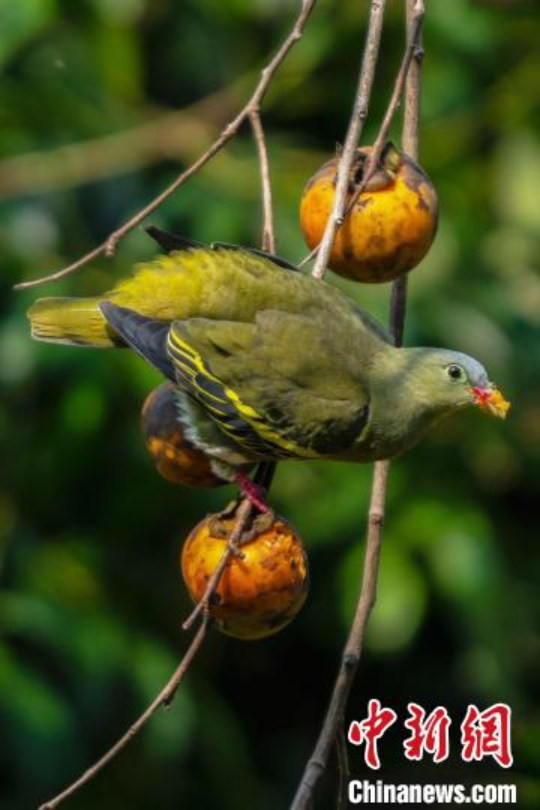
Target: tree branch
{"type": "Point", "coordinates": [109, 245]}
{"type": "Point", "coordinates": [414, 29]}
{"type": "Point", "coordinates": [341, 205]}
{"type": "Point", "coordinates": [410, 142]}
{"type": "Point", "coordinates": [343, 769]}
{"type": "Point", "coordinates": [163, 699]}
{"type": "Point", "coordinates": [242, 516]}
{"type": "Point", "coordinates": [353, 648]}
{"type": "Point", "coordinates": [354, 132]}
{"type": "Point", "coordinates": [268, 232]}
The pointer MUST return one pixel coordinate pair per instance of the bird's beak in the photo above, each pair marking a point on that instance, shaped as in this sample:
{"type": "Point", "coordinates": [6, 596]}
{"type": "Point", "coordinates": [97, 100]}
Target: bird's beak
{"type": "Point", "coordinates": [491, 400]}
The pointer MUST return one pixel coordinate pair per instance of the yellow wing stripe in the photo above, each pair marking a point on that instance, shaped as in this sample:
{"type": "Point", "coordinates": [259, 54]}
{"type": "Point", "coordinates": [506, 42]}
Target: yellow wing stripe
{"type": "Point", "coordinates": [190, 362]}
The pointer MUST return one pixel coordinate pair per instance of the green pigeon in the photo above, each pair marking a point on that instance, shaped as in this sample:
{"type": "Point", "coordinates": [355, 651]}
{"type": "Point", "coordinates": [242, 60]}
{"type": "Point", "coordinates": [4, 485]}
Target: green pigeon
{"type": "Point", "coordinates": [269, 364]}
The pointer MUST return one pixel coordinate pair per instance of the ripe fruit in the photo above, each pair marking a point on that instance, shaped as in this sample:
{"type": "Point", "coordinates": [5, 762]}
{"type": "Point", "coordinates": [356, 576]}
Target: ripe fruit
{"type": "Point", "coordinates": [258, 594]}
{"type": "Point", "coordinates": [175, 457]}
{"type": "Point", "coordinates": [391, 225]}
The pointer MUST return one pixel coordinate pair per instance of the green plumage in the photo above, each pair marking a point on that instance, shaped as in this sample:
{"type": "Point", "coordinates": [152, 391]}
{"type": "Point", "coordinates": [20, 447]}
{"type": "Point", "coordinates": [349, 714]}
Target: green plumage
{"type": "Point", "coordinates": [269, 363]}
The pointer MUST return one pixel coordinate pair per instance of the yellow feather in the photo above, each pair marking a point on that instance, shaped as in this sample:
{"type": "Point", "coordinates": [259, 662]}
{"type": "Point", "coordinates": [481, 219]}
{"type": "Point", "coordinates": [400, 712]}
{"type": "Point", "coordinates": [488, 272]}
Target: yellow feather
{"type": "Point", "coordinates": [76, 321]}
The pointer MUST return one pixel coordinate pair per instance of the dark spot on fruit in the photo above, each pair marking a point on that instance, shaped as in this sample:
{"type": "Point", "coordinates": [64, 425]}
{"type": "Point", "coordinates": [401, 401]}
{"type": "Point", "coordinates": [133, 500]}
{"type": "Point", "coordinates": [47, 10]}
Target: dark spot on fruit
{"type": "Point", "coordinates": [278, 619]}
{"type": "Point", "coordinates": [360, 204]}
{"type": "Point", "coordinates": [377, 242]}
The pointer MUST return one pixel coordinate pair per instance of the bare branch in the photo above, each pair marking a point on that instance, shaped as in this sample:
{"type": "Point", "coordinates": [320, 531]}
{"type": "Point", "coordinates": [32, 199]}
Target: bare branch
{"type": "Point", "coordinates": [351, 654]}
{"type": "Point", "coordinates": [163, 699]}
{"type": "Point", "coordinates": [412, 51]}
{"type": "Point", "coordinates": [411, 119]}
{"type": "Point", "coordinates": [242, 516]}
{"type": "Point", "coordinates": [353, 649]}
{"type": "Point", "coordinates": [354, 132]}
{"type": "Point", "coordinates": [268, 234]}
{"type": "Point", "coordinates": [414, 30]}
{"type": "Point", "coordinates": [343, 769]}
{"type": "Point", "coordinates": [109, 245]}
{"type": "Point", "coordinates": [264, 477]}
{"type": "Point", "coordinates": [410, 142]}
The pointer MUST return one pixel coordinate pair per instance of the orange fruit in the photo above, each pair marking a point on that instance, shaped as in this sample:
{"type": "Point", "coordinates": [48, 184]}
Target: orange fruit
{"type": "Point", "coordinates": [258, 594]}
{"type": "Point", "coordinates": [391, 225]}
{"type": "Point", "coordinates": [175, 457]}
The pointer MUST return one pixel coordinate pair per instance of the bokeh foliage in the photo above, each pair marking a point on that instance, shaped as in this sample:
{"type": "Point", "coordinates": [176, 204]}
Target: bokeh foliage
{"type": "Point", "coordinates": [101, 102]}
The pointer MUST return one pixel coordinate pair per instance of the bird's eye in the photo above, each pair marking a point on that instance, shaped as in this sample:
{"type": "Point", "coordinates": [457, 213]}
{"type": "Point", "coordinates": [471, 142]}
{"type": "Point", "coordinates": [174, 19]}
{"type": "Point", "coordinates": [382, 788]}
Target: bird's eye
{"type": "Point", "coordinates": [455, 372]}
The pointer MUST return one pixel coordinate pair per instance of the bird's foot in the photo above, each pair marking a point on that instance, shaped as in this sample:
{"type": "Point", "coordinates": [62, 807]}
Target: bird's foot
{"type": "Point", "coordinates": [253, 492]}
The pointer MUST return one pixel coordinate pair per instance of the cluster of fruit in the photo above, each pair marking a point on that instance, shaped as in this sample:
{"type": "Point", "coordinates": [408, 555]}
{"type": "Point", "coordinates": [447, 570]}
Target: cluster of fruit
{"type": "Point", "coordinates": [262, 589]}
{"type": "Point", "coordinates": [388, 229]}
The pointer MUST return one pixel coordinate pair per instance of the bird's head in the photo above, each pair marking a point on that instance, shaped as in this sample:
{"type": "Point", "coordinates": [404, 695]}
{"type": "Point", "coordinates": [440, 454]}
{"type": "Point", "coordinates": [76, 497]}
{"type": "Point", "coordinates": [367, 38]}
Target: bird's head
{"type": "Point", "coordinates": [450, 380]}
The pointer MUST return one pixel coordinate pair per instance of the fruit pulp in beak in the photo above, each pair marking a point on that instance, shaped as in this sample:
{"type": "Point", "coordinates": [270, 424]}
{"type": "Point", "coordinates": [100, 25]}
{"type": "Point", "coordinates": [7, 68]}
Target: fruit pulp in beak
{"type": "Point", "coordinates": [491, 400]}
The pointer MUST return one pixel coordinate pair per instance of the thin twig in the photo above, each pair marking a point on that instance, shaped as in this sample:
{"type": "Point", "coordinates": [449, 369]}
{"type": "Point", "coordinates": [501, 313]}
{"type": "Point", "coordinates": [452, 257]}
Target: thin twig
{"type": "Point", "coordinates": [393, 105]}
{"type": "Point", "coordinates": [163, 699]}
{"type": "Point", "coordinates": [410, 143]}
{"type": "Point", "coordinates": [410, 137]}
{"type": "Point", "coordinates": [268, 231]}
{"type": "Point", "coordinates": [353, 649]}
{"type": "Point", "coordinates": [354, 132]}
{"type": "Point", "coordinates": [109, 245]}
{"type": "Point", "coordinates": [242, 516]}
{"type": "Point", "coordinates": [412, 52]}
{"type": "Point", "coordinates": [351, 654]}
{"type": "Point", "coordinates": [343, 769]}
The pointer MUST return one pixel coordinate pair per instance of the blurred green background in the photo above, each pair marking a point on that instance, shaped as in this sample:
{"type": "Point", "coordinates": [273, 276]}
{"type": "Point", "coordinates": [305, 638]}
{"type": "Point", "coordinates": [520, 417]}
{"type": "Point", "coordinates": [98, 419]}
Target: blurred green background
{"type": "Point", "coordinates": [101, 103]}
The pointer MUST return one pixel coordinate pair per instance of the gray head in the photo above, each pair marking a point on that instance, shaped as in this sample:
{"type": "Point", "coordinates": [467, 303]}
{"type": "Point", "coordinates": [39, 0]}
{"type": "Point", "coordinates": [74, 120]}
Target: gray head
{"type": "Point", "coordinates": [461, 368]}
{"type": "Point", "coordinates": [448, 380]}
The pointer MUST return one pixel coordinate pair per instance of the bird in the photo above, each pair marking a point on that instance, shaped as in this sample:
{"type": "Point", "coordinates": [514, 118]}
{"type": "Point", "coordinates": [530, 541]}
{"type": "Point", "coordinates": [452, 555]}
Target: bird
{"type": "Point", "coordinates": [268, 363]}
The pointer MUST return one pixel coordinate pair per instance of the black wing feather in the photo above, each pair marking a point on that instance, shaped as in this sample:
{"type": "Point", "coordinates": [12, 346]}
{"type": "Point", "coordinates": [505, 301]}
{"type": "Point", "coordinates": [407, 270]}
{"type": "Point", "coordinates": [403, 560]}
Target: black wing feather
{"type": "Point", "coordinates": [147, 336]}
{"type": "Point", "coordinates": [171, 241]}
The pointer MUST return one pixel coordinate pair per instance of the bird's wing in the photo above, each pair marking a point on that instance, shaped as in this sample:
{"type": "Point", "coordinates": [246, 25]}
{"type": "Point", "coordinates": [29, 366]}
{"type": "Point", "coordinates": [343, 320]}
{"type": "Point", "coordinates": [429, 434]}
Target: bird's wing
{"type": "Point", "coordinates": [171, 242]}
{"type": "Point", "coordinates": [146, 336]}
{"type": "Point", "coordinates": [282, 386]}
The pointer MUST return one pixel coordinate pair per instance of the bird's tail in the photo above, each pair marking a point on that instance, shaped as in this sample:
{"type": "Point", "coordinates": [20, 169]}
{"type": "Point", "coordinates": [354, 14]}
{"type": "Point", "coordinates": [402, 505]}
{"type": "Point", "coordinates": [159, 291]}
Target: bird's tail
{"type": "Point", "coordinates": [71, 321]}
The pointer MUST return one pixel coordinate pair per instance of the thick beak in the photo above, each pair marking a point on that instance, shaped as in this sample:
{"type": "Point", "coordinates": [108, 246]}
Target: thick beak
{"type": "Point", "coordinates": [491, 400]}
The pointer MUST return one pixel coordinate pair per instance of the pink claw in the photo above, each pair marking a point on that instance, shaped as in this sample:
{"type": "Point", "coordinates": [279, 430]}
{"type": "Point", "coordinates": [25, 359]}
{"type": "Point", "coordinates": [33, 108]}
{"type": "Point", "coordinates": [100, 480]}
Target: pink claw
{"type": "Point", "coordinates": [255, 493]}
